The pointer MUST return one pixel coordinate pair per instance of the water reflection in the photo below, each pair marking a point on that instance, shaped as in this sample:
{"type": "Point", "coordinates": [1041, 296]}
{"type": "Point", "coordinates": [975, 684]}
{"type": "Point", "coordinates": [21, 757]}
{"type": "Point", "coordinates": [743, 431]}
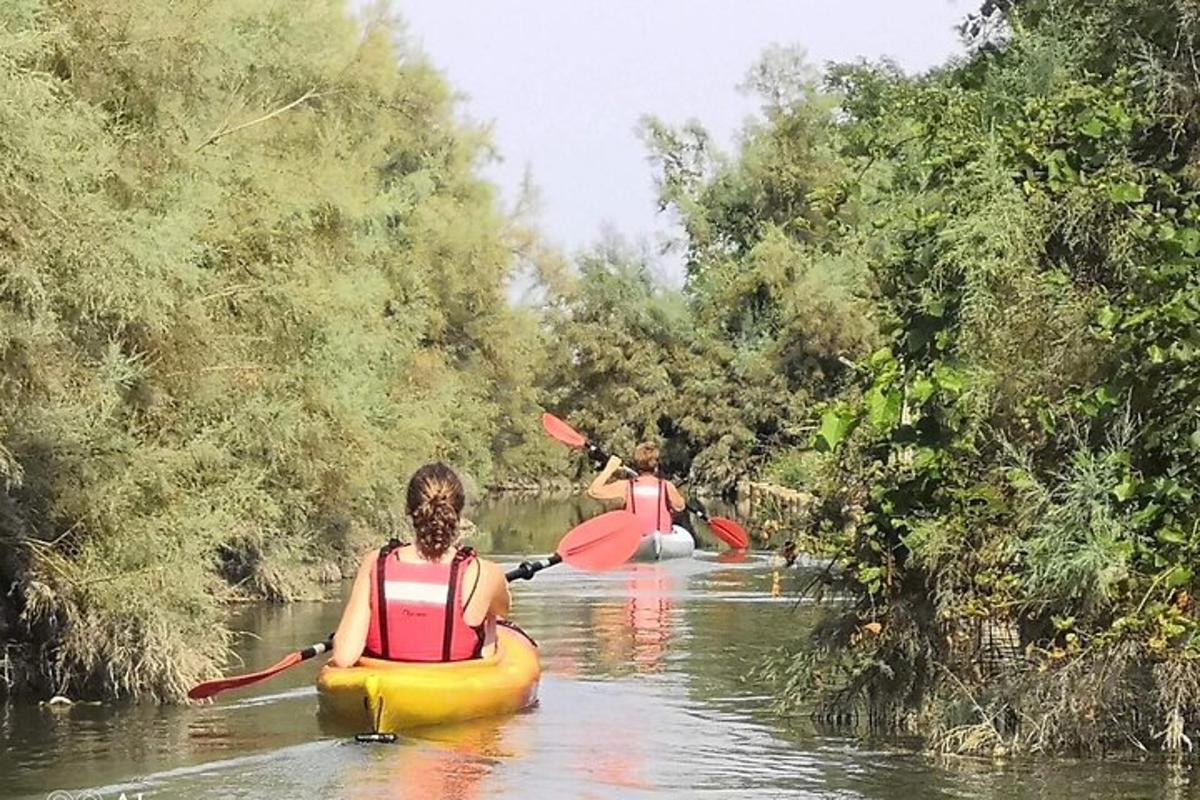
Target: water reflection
{"type": "Point", "coordinates": [452, 762]}
{"type": "Point", "coordinates": [636, 632]}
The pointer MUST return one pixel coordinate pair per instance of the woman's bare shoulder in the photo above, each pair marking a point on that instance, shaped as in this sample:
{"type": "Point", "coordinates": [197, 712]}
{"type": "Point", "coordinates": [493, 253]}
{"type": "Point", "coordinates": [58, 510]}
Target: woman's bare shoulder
{"type": "Point", "coordinates": [491, 571]}
{"type": "Point", "coordinates": [487, 566]}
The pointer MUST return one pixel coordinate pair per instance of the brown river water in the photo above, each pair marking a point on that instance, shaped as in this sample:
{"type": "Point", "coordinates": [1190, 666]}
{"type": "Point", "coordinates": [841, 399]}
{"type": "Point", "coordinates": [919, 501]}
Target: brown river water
{"type": "Point", "coordinates": [643, 696]}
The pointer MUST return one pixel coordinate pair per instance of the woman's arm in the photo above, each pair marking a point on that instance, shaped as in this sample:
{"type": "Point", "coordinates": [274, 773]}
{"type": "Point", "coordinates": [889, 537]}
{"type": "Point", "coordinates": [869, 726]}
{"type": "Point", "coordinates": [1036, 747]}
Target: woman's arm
{"type": "Point", "coordinates": [351, 636]}
{"type": "Point", "coordinates": [676, 498]}
{"type": "Point", "coordinates": [601, 489]}
{"type": "Point", "coordinates": [501, 597]}
{"type": "Point", "coordinates": [489, 587]}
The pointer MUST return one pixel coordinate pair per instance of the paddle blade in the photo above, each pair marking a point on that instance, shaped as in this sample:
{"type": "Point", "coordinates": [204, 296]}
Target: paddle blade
{"type": "Point", "coordinates": [562, 431]}
{"type": "Point", "coordinates": [207, 689]}
{"type": "Point", "coordinates": [603, 542]}
{"type": "Point", "coordinates": [729, 532]}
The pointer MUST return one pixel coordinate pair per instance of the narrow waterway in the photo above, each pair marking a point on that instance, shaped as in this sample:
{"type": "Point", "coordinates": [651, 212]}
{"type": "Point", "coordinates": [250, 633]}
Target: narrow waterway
{"type": "Point", "coordinates": [642, 697]}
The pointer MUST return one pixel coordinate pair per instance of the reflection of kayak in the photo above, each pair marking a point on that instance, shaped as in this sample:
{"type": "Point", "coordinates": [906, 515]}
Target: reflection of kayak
{"type": "Point", "coordinates": [391, 696]}
{"type": "Point", "coordinates": [658, 546]}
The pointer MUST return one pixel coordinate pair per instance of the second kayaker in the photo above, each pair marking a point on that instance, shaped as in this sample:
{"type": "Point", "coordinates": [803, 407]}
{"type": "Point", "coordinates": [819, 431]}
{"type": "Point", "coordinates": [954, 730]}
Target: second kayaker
{"type": "Point", "coordinates": [652, 499]}
{"type": "Point", "coordinates": [426, 601]}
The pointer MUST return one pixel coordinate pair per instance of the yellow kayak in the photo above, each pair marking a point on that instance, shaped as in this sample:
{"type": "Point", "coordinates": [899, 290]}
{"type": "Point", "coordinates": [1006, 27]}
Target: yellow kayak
{"type": "Point", "coordinates": [392, 696]}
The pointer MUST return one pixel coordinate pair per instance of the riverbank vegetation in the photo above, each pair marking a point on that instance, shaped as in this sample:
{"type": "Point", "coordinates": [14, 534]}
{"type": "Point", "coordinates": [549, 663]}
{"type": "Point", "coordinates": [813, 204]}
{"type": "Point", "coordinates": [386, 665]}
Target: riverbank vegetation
{"type": "Point", "coordinates": [248, 280]}
{"type": "Point", "coordinates": [960, 309]}
{"type": "Point", "coordinates": [1009, 481]}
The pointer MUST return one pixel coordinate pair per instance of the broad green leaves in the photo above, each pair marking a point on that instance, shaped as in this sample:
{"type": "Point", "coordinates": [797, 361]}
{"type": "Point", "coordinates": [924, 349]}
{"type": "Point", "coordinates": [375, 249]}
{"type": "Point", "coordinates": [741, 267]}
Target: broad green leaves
{"type": "Point", "coordinates": [884, 407]}
{"type": "Point", "coordinates": [1127, 193]}
{"type": "Point", "coordinates": [836, 425]}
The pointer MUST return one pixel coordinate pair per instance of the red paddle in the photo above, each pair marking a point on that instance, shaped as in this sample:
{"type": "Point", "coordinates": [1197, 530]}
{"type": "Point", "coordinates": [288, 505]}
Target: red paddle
{"type": "Point", "coordinates": [728, 531]}
{"type": "Point", "coordinates": [602, 543]}
{"type": "Point", "coordinates": [207, 689]}
{"type": "Point", "coordinates": [563, 432]}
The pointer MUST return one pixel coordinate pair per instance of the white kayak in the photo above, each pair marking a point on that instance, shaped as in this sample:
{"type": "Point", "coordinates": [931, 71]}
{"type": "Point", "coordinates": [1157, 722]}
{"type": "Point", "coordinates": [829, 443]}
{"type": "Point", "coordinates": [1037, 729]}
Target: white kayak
{"type": "Point", "coordinates": [659, 546]}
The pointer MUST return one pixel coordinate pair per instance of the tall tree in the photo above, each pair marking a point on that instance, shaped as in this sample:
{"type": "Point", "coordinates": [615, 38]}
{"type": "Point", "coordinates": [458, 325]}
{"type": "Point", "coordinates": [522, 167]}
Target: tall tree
{"type": "Point", "coordinates": [248, 279]}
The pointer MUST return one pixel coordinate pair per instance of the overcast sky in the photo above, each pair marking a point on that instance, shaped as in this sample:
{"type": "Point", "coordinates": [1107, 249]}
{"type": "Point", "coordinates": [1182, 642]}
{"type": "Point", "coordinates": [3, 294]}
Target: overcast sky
{"type": "Point", "coordinates": [564, 82]}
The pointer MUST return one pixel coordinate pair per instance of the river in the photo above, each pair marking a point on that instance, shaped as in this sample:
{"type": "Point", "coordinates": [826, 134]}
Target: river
{"type": "Point", "coordinates": [642, 696]}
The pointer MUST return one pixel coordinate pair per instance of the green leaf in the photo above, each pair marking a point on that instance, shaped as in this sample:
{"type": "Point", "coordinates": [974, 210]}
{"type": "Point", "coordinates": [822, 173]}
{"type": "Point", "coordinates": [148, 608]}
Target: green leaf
{"type": "Point", "coordinates": [883, 408]}
{"type": "Point", "coordinates": [1060, 173]}
{"type": "Point", "coordinates": [921, 389]}
{"type": "Point", "coordinates": [1126, 193]}
{"type": "Point", "coordinates": [1178, 576]}
{"type": "Point", "coordinates": [871, 577]}
{"type": "Point", "coordinates": [1094, 128]}
{"type": "Point", "coordinates": [881, 358]}
{"type": "Point", "coordinates": [1140, 317]}
{"type": "Point", "coordinates": [1189, 240]}
{"type": "Point", "coordinates": [1126, 489]}
{"type": "Point", "coordinates": [950, 380]}
{"type": "Point", "coordinates": [1171, 536]}
{"type": "Point", "coordinates": [926, 460]}
{"type": "Point", "coordinates": [1156, 354]}
{"type": "Point", "coordinates": [1108, 317]}
{"type": "Point", "coordinates": [1146, 515]}
{"type": "Point", "coordinates": [836, 425]}
{"type": "Point", "coordinates": [1020, 478]}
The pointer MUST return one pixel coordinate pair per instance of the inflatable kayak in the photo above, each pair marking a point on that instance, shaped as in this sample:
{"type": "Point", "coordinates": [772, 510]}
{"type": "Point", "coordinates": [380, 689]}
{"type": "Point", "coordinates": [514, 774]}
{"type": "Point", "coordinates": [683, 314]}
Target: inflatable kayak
{"type": "Point", "coordinates": [392, 696]}
{"type": "Point", "coordinates": [658, 546]}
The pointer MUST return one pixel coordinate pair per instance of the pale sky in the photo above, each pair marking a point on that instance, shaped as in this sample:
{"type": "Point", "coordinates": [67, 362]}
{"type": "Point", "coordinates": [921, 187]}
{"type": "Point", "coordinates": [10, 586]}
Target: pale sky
{"type": "Point", "coordinates": [564, 82]}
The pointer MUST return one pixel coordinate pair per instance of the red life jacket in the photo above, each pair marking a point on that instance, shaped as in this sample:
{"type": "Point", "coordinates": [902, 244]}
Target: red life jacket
{"type": "Point", "coordinates": [647, 498]}
{"type": "Point", "coordinates": [422, 617]}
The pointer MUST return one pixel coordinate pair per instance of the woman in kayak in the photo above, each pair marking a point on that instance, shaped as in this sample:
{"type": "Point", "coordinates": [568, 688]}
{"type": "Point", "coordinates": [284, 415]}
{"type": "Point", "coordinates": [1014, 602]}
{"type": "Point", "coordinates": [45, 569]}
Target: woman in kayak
{"type": "Point", "coordinates": [652, 499]}
{"type": "Point", "coordinates": [426, 601]}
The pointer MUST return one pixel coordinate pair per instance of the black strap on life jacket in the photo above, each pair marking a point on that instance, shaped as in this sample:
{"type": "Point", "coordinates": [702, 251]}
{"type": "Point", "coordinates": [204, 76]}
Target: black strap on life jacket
{"type": "Point", "coordinates": [381, 594]}
{"type": "Point", "coordinates": [658, 501]}
{"type": "Point", "coordinates": [461, 556]}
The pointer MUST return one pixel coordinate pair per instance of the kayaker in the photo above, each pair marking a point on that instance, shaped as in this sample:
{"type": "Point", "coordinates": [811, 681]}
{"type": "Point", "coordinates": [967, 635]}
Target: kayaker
{"type": "Point", "coordinates": [653, 500]}
{"type": "Point", "coordinates": [786, 555]}
{"type": "Point", "coordinates": [429, 600]}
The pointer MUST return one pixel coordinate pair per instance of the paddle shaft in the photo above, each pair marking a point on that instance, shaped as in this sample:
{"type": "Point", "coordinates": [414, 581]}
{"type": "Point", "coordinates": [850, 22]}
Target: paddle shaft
{"type": "Point", "coordinates": [317, 649]}
{"type": "Point", "coordinates": [527, 569]}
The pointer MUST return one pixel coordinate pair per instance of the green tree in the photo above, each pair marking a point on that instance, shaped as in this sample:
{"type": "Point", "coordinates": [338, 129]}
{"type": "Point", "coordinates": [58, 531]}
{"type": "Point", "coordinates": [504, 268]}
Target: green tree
{"type": "Point", "coordinates": [249, 279]}
{"type": "Point", "coordinates": [1019, 463]}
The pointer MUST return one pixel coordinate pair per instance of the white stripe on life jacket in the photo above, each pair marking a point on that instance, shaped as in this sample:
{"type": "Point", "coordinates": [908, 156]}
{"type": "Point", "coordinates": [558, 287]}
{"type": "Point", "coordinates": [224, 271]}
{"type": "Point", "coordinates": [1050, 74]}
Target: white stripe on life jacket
{"type": "Point", "coordinates": [433, 594]}
{"type": "Point", "coordinates": [642, 490]}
